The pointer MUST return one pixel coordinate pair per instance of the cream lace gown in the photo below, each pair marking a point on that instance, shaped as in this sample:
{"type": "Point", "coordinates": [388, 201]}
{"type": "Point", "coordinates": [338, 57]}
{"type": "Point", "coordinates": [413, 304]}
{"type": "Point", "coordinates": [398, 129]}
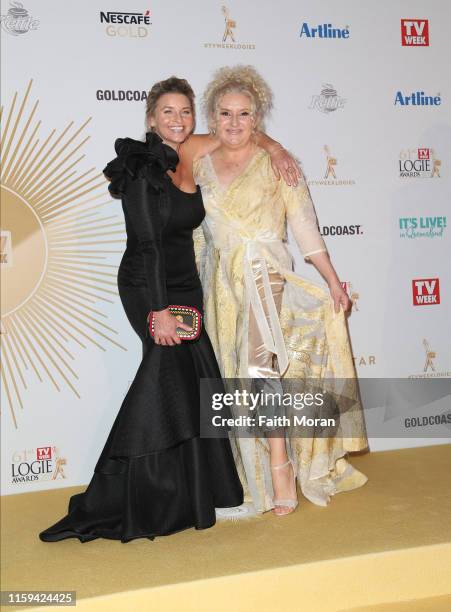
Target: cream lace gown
{"type": "Point", "coordinates": [244, 263]}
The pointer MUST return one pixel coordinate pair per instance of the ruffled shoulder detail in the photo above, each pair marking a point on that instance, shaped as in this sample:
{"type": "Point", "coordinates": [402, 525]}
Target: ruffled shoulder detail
{"type": "Point", "coordinates": [137, 159]}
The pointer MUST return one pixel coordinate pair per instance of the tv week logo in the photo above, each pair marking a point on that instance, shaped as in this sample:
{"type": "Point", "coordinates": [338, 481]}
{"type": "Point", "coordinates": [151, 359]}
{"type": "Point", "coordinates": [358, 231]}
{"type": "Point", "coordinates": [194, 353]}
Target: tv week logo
{"type": "Point", "coordinates": [415, 32]}
{"type": "Point", "coordinates": [426, 291]}
{"type": "Point", "coordinates": [43, 453]}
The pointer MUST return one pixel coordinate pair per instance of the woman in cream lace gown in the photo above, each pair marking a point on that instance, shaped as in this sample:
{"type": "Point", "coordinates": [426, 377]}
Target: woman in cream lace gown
{"type": "Point", "coordinates": [264, 321]}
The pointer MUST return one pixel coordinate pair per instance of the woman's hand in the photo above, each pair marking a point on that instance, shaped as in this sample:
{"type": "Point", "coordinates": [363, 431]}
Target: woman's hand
{"type": "Point", "coordinates": [166, 328]}
{"type": "Point", "coordinates": [284, 164]}
{"type": "Point", "coordinates": [339, 297]}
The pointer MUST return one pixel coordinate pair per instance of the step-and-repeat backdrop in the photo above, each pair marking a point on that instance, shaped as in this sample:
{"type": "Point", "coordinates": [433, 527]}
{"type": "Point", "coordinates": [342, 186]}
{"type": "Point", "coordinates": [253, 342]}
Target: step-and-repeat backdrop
{"type": "Point", "coordinates": [362, 99]}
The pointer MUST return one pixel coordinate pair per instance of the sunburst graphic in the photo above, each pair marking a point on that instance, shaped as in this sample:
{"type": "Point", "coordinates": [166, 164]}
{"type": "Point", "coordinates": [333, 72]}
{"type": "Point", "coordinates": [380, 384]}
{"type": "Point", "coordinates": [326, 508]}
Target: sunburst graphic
{"type": "Point", "coordinates": [57, 240]}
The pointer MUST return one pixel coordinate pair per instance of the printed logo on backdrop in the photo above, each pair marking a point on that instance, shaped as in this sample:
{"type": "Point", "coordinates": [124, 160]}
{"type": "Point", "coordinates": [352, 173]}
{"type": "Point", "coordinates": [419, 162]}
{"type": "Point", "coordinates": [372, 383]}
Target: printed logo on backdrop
{"type": "Point", "coordinates": [121, 95]}
{"type": "Point", "coordinates": [229, 39]}
{"type": "Point", "coordinates": [422, 227]}
{"type": "Point", "coordinates": [415, 32]}
{"type": "Point", "coordinates": [328, 100]}
{"type": "Point", "coordinates": [364, 360]}
{"type": "Point", "coordinates": [430, 367]}
{"type": "Point", "coordinates": [417, 98]}
{"type": "Point", "coordinates": [58, 240]}
{"type": "Point", "coordinates": [331, 175]}
{"type": "Point", "coordinates": [419, 163]}
{"type": "Point", "coordinates": [354, 296]}
{"type": "Point", "coordinates": [18, 20]}
{"type": "Point", "coordinates": [341, 230]}
{"type": "Point", "coordinates": [44, 463]}
{"type": "Point", "coordinates": [323, 30]}
{"type": "Point", "coordinates": [121, 24]}
{"type": "Point", "coordinates": [426, 291]}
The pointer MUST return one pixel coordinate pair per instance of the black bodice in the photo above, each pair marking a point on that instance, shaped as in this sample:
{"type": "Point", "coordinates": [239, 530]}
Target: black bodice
{"type": "Point", "coordinates": [159, 220]}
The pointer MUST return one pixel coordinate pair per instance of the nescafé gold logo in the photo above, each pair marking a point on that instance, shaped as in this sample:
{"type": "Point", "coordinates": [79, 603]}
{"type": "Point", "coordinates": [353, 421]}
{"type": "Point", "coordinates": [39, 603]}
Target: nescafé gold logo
{"type": "Point", "coordinates": [56, 240]}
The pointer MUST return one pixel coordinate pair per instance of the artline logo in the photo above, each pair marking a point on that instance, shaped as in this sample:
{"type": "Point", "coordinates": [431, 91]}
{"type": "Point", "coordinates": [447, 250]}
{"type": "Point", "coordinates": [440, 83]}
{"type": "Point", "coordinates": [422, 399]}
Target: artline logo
{"type": "Point", "coordinates": [126, 25]}
{"type": "Point", "coordinates": [228, 35]}
{"type": "Point", "coordinates": [429, 366]}
{"type": "Point", "coordinates": [415, 32]}
{"type": "Point", "coordinates": [330, 175]}
{"type": "Point", "coordinates": [422, 227]}
{"type": "Point", "coordinates": [353, 295]}
{"type": "Point", "coordinates": [417, 98]}
{"type": "Point", "coordinates": [419, 163]}
{"type": "Point", "coordinates": [426, 291]}
{"type": "Point", "coordinates": [121, 95]}
{"type": "Point", "coordinates": [341, 230]}
{"type": "Point", "coordinates": [328, 100]}
{"type": "Point", "coordinates": [42, 463]}
{"type": "Point", "coordinates": [18, 20]}
{"type": "Point", "coordinates": [323, 30]}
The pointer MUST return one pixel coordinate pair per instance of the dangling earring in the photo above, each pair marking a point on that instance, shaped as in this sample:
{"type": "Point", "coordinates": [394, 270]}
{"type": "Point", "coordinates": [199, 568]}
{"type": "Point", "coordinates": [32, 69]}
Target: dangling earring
{"type": "Point", "coordinates": [213, 131]}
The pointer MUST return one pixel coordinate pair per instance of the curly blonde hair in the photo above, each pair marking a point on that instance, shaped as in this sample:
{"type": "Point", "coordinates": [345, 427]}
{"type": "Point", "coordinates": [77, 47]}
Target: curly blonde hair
{"type": "Point", "coordinates": [241, 79]}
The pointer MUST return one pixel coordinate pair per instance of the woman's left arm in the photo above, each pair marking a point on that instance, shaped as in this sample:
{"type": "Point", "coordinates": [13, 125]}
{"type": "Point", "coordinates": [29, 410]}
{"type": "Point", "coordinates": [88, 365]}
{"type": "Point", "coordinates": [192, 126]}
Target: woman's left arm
{"type": "Point", "coordinates": [304, 225]}
{"type": "Point", "coordinates": [283, 164]}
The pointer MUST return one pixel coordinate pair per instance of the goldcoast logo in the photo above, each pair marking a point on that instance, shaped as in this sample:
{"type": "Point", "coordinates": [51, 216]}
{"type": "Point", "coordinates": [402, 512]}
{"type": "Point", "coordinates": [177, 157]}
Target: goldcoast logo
{"type": "Point", "coordinates": [228, 36]}
{"type": "Point", "coordinates": [56, 239]}
{"type": "Point", "coordinates": [330, 173]}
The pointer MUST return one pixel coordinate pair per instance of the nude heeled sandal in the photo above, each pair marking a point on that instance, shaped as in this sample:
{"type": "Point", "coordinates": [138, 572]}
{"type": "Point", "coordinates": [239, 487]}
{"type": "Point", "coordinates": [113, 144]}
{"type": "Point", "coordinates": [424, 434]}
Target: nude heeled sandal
{"type": "Point", "coordinates": [288, 503]}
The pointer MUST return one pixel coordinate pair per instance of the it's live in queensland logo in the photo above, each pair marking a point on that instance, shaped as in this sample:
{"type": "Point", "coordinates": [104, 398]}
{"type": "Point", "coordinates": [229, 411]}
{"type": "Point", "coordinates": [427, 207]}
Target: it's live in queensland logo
{"type": "Point", "coordinates": [417, 98]}
{"type": "Point", "coordinates": [323, 30]}
{"type": "Point", "coordinates": [229, 39]}
{"type": "Point", "coordinates": [419, 163]}
{"type": "Point", "coordinates": [422, 227]}
{"type": "Point", "coordinates": [41, 463]}
{"type": "Point", "coordinates": [126, 24]}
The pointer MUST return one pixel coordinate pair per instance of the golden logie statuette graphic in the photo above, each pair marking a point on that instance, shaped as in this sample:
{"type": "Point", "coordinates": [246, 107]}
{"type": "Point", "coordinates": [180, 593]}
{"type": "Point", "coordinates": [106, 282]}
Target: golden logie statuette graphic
{"type": "Point", "coordinates": [56, 239]}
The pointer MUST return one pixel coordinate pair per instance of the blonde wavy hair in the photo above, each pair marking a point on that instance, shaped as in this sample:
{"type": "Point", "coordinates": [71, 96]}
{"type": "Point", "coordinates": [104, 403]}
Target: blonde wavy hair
{"type": "Point", "coordinates": [241, 79]}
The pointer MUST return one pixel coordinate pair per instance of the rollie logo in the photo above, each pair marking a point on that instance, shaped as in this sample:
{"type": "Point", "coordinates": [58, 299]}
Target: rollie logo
{"type": "Point", "coordinates": [55, 243]}
{"type": "Point", "coordinates": [18, 20]}
{"type": "Point", "coordinates": [42, 463]}
{"type": "Point", "coordinates": [328, 100]}
{"type": "Point", "coordinates": [229, 39]}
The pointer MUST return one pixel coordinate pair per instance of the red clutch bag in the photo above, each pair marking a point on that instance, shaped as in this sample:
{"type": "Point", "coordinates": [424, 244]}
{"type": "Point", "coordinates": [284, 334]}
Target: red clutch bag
{"type": "Point", "coordinates": [185, 314]}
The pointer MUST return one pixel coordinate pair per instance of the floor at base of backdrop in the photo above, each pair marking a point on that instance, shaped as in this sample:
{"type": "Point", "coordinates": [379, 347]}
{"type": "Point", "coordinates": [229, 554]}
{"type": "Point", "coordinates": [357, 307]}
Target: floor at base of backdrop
{"type": "Point", "coordinates": [384, 547]}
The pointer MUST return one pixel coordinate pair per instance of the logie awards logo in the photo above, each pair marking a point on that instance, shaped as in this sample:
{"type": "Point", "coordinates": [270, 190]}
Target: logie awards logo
{"type": "Point", "coordinates": [419, 163]}
{"type": "Point", "coordinates": [429, 364]}
{"type": "Point", "coordinates": [229, 39]}
{"type": "Point", "coordinates": [56, 240]}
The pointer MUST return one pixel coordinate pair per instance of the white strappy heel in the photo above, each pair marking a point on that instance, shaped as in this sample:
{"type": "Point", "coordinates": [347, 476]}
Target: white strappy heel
{"type": "Point", "coordinates": [288, 503]}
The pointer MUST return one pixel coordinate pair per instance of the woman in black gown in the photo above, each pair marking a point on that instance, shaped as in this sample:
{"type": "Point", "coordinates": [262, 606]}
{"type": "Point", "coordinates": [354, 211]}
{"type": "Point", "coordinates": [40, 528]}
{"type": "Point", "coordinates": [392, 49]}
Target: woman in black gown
{"type": "Point", "coordinates": [156, 475]}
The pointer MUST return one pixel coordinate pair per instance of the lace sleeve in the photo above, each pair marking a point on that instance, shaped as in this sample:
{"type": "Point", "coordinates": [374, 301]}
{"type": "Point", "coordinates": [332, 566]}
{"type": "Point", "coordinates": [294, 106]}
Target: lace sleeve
{"type": "Point", "coordinates": [302, 219]}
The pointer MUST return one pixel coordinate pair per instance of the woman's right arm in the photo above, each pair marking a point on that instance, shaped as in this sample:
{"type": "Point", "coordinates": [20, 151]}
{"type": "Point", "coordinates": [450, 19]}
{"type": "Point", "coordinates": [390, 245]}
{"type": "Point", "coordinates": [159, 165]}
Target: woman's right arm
{"type": "Point", "coordinates": [143, 211]}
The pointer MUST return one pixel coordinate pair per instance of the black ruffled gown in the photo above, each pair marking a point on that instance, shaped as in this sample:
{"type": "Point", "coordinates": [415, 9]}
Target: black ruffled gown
{"type": "Point", "coordinates": [156, 475]}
